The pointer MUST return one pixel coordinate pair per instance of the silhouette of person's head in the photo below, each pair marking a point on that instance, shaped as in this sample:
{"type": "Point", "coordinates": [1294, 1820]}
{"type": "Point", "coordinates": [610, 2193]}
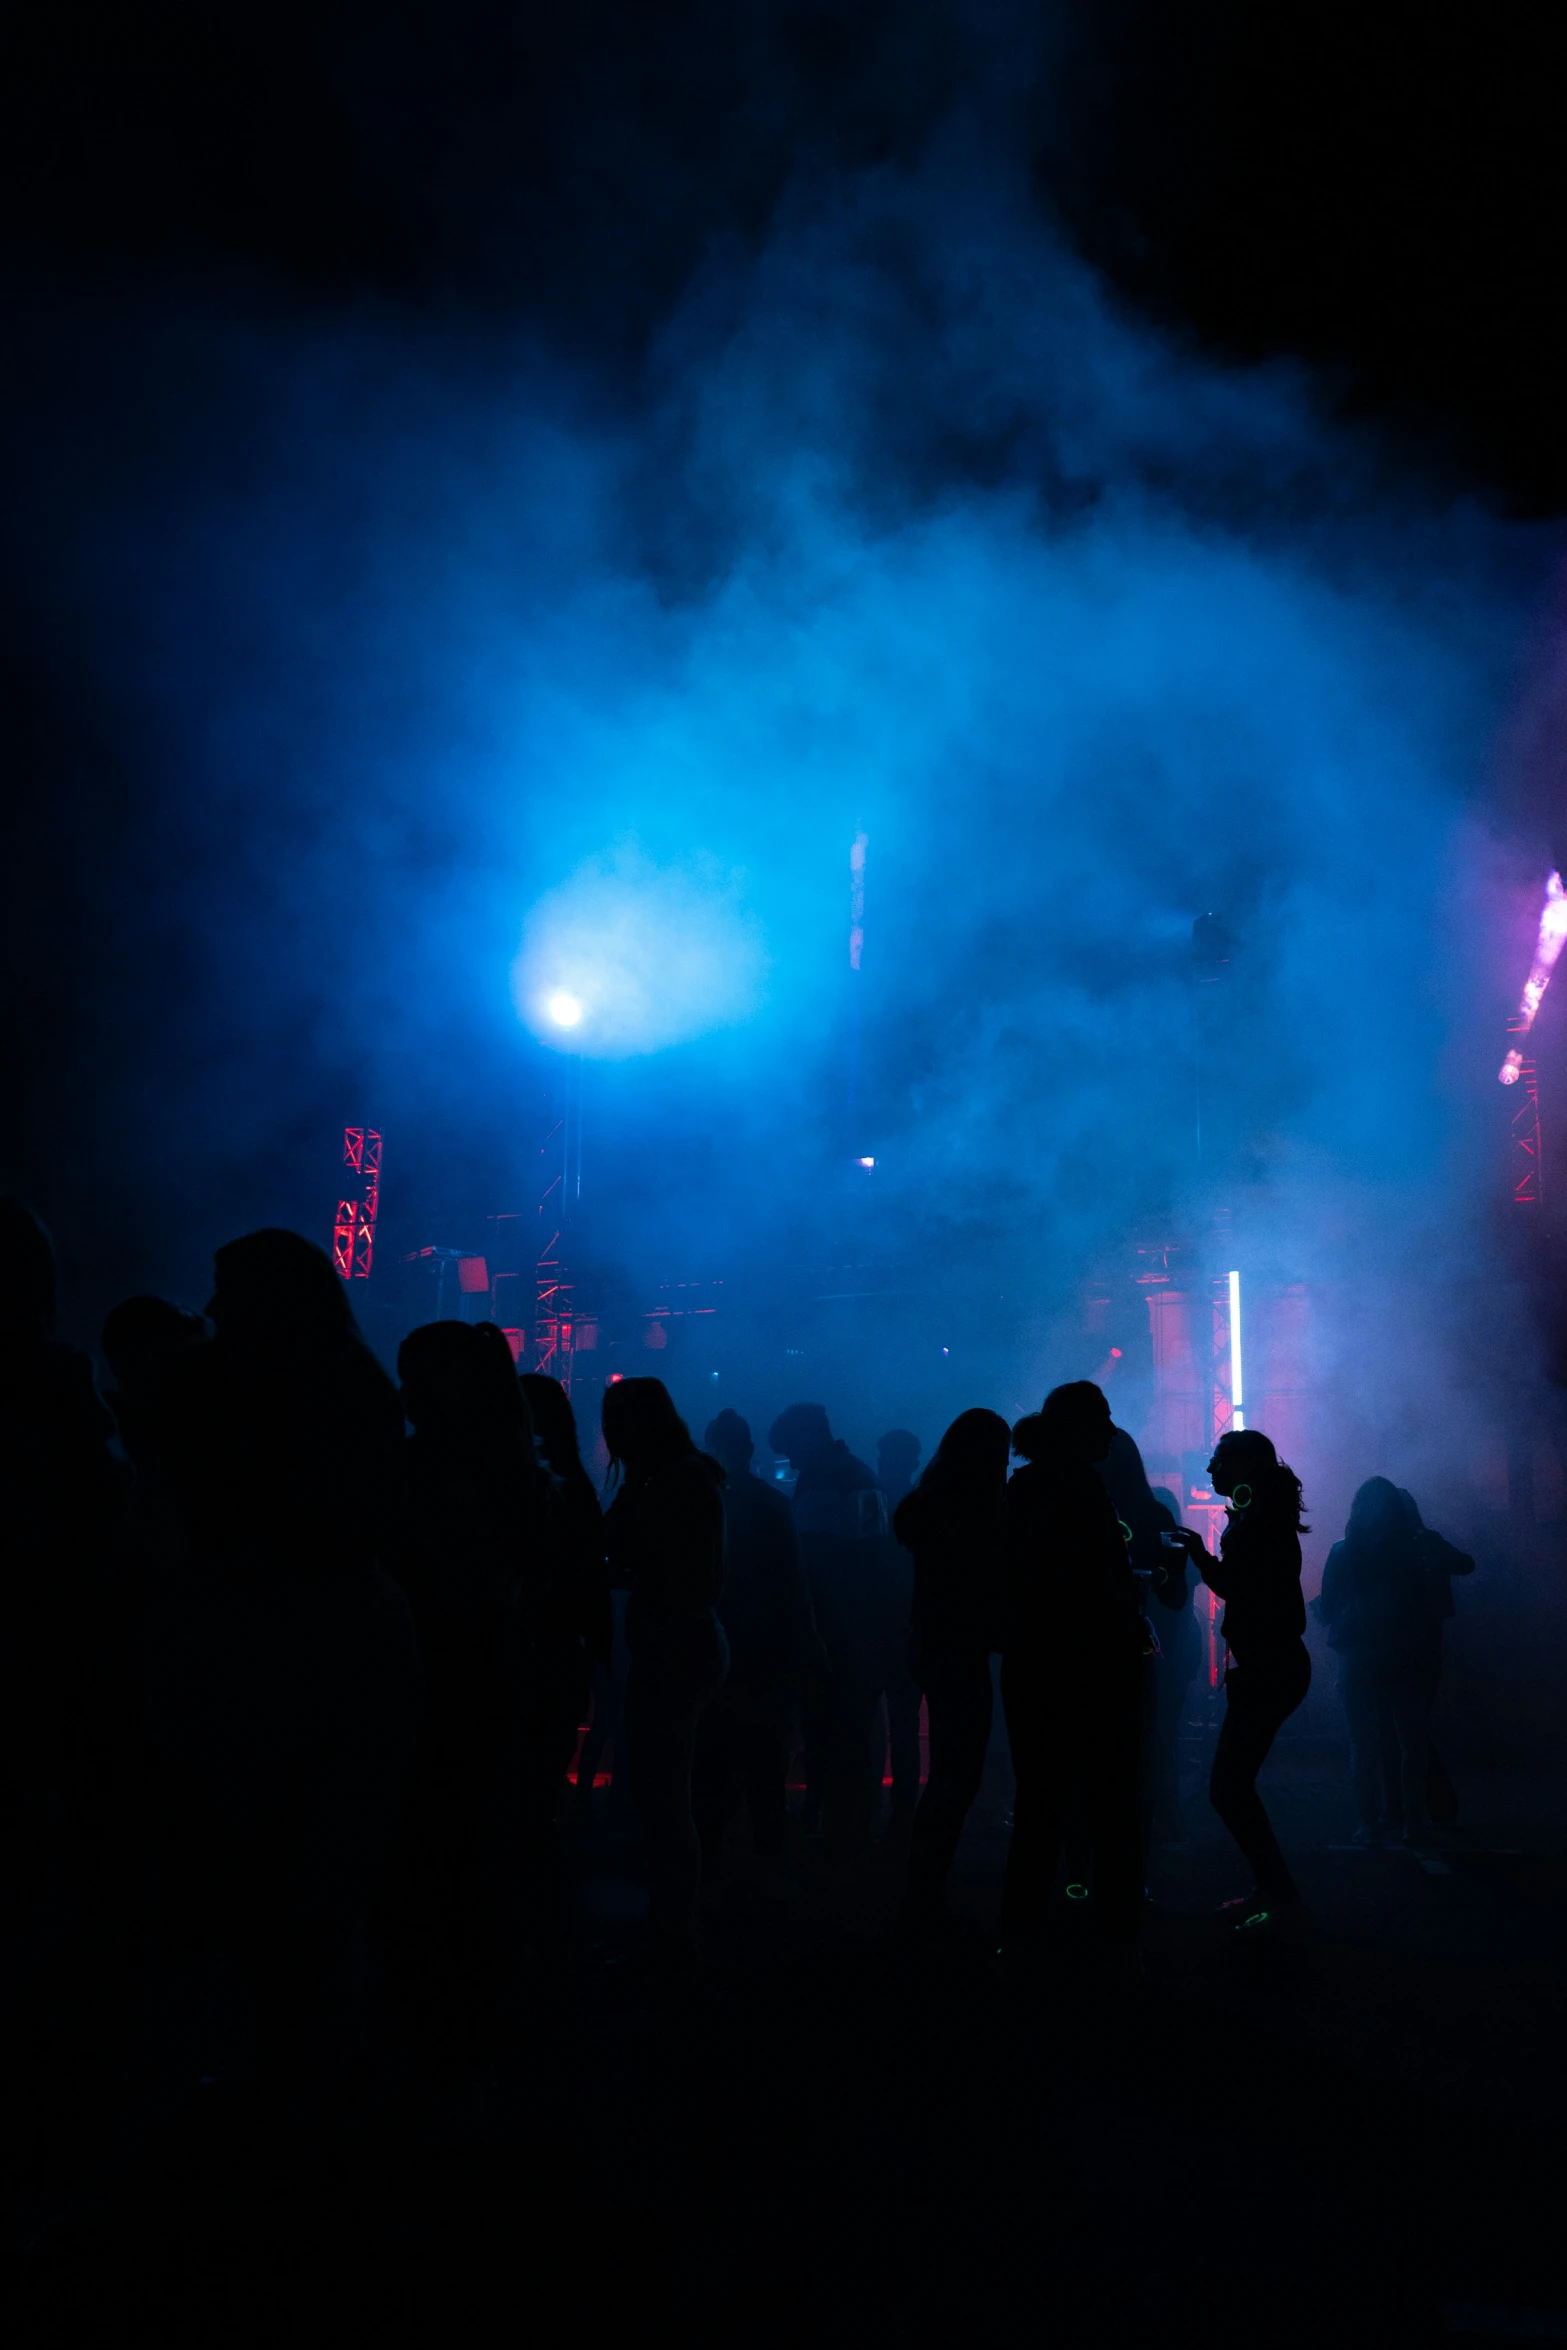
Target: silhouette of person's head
{"type": "Point", "coordinates": [27, 1278]}
{"type": "Point", "coordinates": [801, 1432]}
{"type": "Point", "coordinates": [504, 1403]}
{"type": "Point", "coordinates": [1241, 1457]}
{"type": "Point", "coordinates": [276, 1290]}
{"type": "Point", "coordinates": [728, 1439]}
{"type": "Point", "coordinates": [972, 1455]}
{"type": "Point", "coordinates": [1071, 1428]}
{"type": "Point", "coordinates": [642, 1429]}
{"type": "Point", "coordinates": [439, 1377]}
{"type": "Point", "coordinates": [1248, 1472]}
{"type": "Point", "coordinates": [554, 1419]}
{"type": "Point", "coordinates": [898, 1455]}
{"type": "Point", "coordinates": [1378, 1510]}
{"type": "Point", "coordinates": [459, 1384]}
{"type": "Point", "coordinates": [1137, 1504]}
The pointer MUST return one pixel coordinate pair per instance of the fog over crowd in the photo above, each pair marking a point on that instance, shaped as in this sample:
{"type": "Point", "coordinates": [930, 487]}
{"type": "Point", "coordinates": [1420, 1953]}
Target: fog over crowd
{"type": "Point", "coordinates": [399, 664]}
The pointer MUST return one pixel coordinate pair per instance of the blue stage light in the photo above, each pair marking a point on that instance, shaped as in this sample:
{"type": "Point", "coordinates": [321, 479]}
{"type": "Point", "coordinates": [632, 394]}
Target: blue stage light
{"type": "Point", "coordinates": [627, 957]}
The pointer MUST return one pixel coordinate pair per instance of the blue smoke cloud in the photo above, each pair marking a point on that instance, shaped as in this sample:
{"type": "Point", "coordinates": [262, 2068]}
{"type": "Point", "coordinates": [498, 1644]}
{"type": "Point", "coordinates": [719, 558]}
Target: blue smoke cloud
{"type": "Point", "coordinates": [626, 957]}
{"type": "Point", "coordinates": [457, 685]}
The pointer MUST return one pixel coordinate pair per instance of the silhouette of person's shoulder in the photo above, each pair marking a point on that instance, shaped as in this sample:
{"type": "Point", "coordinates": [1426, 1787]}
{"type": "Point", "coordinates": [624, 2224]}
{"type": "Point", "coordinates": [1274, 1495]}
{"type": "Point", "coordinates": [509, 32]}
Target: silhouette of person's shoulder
{"type": "Point", "coordinates": [912, 1519]}
{"type": "Point", "coordinates": [839, 1471]}
{"type": "Point", "coordinates": [1027, 1489]}
{"type": "Point", "coordinates": [758, 1494]}
{"type": "Point", "coordinates": [754, 1509]}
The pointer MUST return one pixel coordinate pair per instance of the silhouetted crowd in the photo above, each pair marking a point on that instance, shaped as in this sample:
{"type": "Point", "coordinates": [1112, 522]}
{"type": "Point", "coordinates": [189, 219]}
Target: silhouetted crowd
{"type": "Point", "coordinates": [308, 1673]}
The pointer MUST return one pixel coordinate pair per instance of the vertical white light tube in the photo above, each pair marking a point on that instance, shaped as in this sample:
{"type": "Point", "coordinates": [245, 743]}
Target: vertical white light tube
{"type": "Point", "coordinates": [1237, 1393]}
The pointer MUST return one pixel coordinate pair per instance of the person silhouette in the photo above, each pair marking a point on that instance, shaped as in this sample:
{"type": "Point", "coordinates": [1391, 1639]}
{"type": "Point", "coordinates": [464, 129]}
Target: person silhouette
{"type": "Point", "coordinates": [953, 1523]}
{"type": "Point", "coordinates": [1159, 1565]}
{"type": "Point", "coordinates": [665, 1536]}
{"type": "Point", "coordinates": [897, 1464]}
{"type": "Point", "coordinates": [63, 1743]}
{"type": "Point", "coordinates": [140, 1339]}
{"type": "Point", "coordinates": [289, 1435]}
{"type": "Point", "coordinates": [574, 1638]}
{"type": "Point", "coordinates": [1257, 1575]}
{"type": "Point", "coordinates": [63, 1496]}
{"type": "Point", "coordinates": [477, 1553]}
{"type": "Point", "coordinates": [746, 1729]}
{"type": "Point", "coordinates": [280, 1677]}
{"type": "Point", "coordinates": [1383, 1588]}
{"type": "Point", "coordinates": [840, 1516]}
{"type": "Point", "coordinates": [1443, 1560]}
{"type": "Point", "coordinates": [1072, 1722]}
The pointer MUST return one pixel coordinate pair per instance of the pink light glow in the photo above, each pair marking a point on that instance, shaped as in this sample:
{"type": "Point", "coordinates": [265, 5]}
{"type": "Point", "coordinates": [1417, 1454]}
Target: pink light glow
{"type": "Point", "coordinates": [1553, 934]}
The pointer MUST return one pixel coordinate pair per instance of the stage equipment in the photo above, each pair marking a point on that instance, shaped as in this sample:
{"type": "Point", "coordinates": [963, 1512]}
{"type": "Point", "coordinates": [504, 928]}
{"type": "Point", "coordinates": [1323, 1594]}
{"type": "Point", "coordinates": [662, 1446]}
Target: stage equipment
{"type": "Point", "coordinates": [1237, 1396]}
{"type": "Point", "coordinates": [443, 1260]}
{"type": "Point", "coordinates": [560, 1191]}
{"type": "Point", "coordinates": [1525, 1133]}
{"type": "Point", "coordinates": [353, 1229]}
{"type": "Point", "coordinates": [1548, 946]}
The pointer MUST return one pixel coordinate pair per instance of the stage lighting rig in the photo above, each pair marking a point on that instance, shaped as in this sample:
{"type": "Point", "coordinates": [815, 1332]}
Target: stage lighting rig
{"type": "Point", "coordinates": [1548, 946]}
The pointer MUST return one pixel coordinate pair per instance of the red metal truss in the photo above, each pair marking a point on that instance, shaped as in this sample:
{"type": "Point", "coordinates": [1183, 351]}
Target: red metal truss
{"type": "Point", "coordinates": [1525, 1169]}
{"type": "Point", "coordinates": [353, 1231]}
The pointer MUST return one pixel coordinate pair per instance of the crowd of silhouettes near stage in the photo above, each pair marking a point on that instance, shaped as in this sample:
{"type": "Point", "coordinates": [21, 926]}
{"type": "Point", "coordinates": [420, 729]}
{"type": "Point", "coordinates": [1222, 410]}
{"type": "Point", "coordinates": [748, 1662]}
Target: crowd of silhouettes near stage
{"type": "Point", "coordinates": [300, 1659]}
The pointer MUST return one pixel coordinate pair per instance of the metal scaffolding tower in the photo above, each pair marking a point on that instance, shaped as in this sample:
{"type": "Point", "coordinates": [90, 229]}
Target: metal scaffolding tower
{"type": "Point", "coordinates": [560, 1191]}
{"type": "Point", "coordinates": [353, 1229]}
{"type": "Point", "coordinates": [1524, 1146]}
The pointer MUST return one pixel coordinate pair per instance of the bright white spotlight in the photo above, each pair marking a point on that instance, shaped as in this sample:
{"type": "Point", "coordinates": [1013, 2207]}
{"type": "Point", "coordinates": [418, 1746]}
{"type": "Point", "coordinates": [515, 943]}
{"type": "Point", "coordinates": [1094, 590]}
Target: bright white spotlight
{"type": "Point", "coordinates": [645, 956]}
{"type": "Point", "coordinates": [1553, 931]}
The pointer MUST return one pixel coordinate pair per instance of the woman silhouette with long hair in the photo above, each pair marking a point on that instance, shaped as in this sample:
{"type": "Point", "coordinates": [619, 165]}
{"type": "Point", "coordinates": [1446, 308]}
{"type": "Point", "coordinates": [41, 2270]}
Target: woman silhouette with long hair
{"type": "Point", "coordinates": [954, 1523]}
{"type": "Point", "coordinates": [1257, 1575]}
{"type": "Point", "coordinates": [1385, 1590]}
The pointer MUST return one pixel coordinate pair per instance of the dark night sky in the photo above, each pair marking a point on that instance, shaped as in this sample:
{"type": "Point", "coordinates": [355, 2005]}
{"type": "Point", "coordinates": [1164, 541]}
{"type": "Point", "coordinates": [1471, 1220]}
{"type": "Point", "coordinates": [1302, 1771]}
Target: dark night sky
{"type": "Point", "coordinates": [1377, 190]}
